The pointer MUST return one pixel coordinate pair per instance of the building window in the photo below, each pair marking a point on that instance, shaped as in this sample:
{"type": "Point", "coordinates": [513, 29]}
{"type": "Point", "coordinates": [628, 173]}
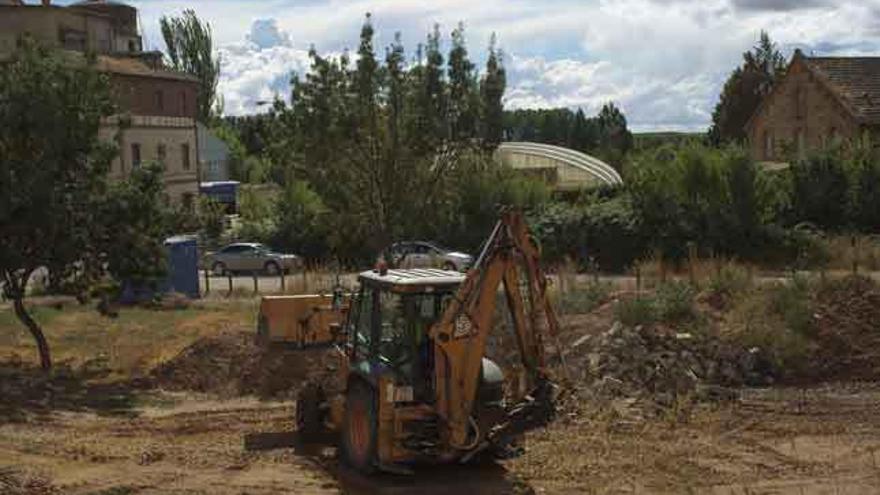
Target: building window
{"type": "Point", "coordinates": [73, 40]}
{"type": "Point", "coordinates": [132, 47]}
{"type": "Point", "coordinates": [184, 152]}
{"type": "Point", "coordinates": [186, 199]}
{"type": "Point", "coordinates": [135, 155]}
{"type": "Point", "coordinates": [160, 104]}
{"type": "Point", "coordinates": [161, 153]}
{"type": "Point", "coordinates": [768, 145]}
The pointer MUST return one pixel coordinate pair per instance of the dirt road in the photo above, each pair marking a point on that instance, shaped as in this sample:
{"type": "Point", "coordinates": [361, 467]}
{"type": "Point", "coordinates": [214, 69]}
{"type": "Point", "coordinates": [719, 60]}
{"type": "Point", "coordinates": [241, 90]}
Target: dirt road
{"type": "Point", "coordinates": [824, 440]}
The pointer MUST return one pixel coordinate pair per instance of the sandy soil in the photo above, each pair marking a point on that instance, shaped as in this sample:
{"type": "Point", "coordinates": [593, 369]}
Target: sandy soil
{"type": "Point", "coordinates": [779, 441]}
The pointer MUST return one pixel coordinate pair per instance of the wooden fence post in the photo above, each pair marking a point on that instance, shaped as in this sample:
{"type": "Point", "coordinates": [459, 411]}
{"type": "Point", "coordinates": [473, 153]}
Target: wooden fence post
{"type": "Point", "coordinates": [855, 255]}
{"type": "Point", "coordinates": [229, 278]}
{"type": "Point", "coordinates": [256, 284]}
{"type": "Point", "coordinates": [692, 260]}
{"type": "Point", "coordinates": [207, 282]}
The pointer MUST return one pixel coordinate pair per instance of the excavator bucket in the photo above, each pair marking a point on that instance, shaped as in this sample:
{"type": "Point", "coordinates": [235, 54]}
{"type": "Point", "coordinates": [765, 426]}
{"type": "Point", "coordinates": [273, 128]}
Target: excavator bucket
{"type": "Point", "coordinates": [301, 321]}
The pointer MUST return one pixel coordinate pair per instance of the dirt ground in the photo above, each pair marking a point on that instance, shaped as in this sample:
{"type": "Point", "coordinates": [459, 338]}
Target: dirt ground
{"type": "Point", "coordinates": [776, 441]}
{"type": "Point", "coordinates": [83, 431]}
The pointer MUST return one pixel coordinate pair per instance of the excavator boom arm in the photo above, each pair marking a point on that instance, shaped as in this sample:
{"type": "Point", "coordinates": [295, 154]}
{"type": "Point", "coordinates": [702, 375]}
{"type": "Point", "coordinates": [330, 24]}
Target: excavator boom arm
{"type": "Point", "coordinates": [509, 257]}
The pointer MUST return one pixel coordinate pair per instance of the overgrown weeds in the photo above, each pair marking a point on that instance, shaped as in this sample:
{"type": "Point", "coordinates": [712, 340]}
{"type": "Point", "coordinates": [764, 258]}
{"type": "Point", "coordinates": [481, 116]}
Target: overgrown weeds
{"type": "Point", "coordinates": [778, 320]}
{"type": "Point", "coordinates": [675, 302]}
{"type": "Point", "coordinates": [637, 311]}
{"type": "Point", "coordinates": [671, 303]}
{"type": "Point", "coordinates": [727, 283]}
{"type": "Point", "coordinates": [584, 300]}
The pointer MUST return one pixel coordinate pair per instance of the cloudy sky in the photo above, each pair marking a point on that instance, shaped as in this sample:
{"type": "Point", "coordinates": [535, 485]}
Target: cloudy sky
{"type": "Point", "coordinates": [662, 61]}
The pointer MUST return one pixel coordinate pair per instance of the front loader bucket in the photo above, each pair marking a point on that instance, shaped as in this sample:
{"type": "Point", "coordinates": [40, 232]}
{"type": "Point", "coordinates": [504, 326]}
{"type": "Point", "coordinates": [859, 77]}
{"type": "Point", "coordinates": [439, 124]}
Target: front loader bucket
{"type": "Point", "coordinates": [301, 321]}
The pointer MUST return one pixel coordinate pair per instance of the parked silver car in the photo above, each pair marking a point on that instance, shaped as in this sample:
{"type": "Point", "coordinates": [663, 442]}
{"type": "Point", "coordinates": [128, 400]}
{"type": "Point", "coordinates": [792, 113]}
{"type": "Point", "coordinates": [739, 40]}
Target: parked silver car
{"type": "Point", "coordinates": [250, 257]}
{"type": "Point", "coordinates": [420, 254]}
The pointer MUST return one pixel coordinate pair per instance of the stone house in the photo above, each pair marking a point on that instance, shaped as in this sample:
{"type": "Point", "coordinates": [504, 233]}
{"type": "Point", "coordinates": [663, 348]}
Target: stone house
{"type": "Point", "coordinates": [820, 100]}
{"type": "Point", "coordinates": [157, 106]}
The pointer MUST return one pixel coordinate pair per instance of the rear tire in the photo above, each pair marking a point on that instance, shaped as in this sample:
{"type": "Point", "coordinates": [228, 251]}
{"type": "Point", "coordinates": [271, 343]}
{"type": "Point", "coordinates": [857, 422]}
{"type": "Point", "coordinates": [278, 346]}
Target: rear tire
{"type": "Point", "coordinates": [271, 268]}
{"type": "Point", "coordinates": [218, 269]}
{"type": "Point", "coordinates": [360, 429]}
{"type": "Point", "coordinates": [450, 266]}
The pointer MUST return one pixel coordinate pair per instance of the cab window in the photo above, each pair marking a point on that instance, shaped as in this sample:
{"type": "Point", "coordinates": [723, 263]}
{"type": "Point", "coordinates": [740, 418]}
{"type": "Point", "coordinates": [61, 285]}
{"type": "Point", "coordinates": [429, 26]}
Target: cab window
{"type": "Point", "coordinates": [361, 323]}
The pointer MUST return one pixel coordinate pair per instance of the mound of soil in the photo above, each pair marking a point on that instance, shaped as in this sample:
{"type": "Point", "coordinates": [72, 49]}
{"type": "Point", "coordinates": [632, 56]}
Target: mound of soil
{"type": "Point", "coordinates": [848, 330]}
{"type": "Point", "coordinates": [232, 364]}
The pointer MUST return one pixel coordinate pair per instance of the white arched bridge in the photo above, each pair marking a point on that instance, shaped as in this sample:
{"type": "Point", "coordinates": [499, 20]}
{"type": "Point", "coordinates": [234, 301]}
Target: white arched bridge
{"type": "Point", "coordinates": [562, 168]}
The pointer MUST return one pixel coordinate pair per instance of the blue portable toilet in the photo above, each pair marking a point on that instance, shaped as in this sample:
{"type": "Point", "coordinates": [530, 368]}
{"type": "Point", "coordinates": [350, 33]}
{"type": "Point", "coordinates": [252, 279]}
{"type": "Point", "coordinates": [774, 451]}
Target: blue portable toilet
{"type": "Point", "coordinates": [183, 265]}
{"type": "Point", "coordinates": [182, 258]}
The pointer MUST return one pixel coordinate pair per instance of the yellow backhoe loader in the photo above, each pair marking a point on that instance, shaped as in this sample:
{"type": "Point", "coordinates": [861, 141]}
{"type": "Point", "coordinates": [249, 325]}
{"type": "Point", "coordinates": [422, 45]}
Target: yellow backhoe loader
{"type": "Point", "coordinates": [414, 383]}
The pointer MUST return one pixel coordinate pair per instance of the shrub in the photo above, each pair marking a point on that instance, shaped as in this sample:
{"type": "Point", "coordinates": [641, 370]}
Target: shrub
{"type": "Point", "coordinates": [633, 312]}
{"type": "Point", "coordinates": [675, 302]}
{"type": "Point", "coordinates": [728, 282]}
{"type": "Point", "coordinates": [778, 319]}
{"type": "Point", "coordinates": [792, 302]}
{"type": "Point", "coordinates": [756, 322]}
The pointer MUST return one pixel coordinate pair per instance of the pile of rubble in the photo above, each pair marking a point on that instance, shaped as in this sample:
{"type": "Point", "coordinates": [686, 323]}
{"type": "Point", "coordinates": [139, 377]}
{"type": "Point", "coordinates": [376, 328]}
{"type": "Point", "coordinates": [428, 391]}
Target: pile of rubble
{"type": "Point", "coordinates": [662, 366]}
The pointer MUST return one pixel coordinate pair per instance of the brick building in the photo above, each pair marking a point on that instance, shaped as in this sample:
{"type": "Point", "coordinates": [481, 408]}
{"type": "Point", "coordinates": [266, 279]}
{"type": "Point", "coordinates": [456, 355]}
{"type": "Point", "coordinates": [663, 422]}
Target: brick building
{"type": "Point", "coordinates": [157, 105]}
{"type": "Point", "coordinates": [820, 100]}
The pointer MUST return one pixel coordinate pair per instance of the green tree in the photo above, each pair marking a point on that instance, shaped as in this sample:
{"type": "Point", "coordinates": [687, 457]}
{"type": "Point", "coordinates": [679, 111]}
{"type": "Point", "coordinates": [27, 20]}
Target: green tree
{"type": "Point", "coordinates": [190, 49]}
{"type": "Point", "coordinates": [744, 90]}
{"type": "Point", "coordinates": [57, 211]}
{"type": "Point", "coordinates": [820, 191]}
{"type": "Point", "coordinates": [462, 105]}
{"type": "Point", "coordinates": [492, 88]}
{"type": "Point", "coordinates": [615, 140]}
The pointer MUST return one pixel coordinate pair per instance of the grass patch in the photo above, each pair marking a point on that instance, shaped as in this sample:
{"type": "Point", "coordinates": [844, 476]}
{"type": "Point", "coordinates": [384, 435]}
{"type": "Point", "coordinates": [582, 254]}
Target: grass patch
{"type": "Point", "coordinates": [132, 343]}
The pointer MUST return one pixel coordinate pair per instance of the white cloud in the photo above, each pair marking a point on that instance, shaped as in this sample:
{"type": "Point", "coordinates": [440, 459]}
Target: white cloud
{"type": "Point", "coordinates": [259, 69]}
{"type": "Point", "coordinates": [662, 61]}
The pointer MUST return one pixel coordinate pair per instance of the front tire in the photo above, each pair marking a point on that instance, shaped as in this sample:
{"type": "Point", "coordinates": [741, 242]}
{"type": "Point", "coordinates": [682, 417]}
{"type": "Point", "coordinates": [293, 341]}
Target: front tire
{"type": "Point", "coordinates": [450, 266]}
{"type": "Point", "coordinates": [360, 430]}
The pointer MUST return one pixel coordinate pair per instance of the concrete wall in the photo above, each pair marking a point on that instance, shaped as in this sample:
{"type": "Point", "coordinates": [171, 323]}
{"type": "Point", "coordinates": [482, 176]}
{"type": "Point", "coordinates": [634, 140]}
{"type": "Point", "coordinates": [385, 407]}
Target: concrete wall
{"type": "Point", "coordinates": [801, 114]}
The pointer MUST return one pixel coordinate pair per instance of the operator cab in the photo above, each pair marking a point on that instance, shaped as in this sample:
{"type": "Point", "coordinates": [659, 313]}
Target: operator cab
{"type": "Point", "coordinates": [390, 319]}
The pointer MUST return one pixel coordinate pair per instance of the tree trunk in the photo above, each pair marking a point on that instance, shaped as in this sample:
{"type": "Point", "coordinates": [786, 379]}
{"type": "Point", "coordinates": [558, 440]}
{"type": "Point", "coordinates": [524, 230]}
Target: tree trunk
{"type": "Point", "coordinates": [36, 332]}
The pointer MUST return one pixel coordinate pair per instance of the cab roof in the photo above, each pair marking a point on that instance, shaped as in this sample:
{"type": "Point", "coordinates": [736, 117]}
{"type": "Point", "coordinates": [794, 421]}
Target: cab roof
{"type": "Point", "coordinates": [412, 280]}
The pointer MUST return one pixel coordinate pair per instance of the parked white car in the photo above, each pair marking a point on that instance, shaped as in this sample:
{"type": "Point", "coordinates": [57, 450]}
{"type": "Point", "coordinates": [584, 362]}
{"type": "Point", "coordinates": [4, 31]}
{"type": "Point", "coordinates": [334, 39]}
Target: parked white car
{"type": "Point", "coordinates": [419, 254]}
{"type": "Point", "coordinates": [250, 257]}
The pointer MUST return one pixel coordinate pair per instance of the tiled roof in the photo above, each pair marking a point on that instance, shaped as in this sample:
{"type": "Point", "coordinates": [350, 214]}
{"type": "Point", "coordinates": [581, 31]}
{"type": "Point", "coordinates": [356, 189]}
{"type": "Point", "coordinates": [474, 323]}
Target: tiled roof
{"type": "Point", "coordinates": [856, 80]}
